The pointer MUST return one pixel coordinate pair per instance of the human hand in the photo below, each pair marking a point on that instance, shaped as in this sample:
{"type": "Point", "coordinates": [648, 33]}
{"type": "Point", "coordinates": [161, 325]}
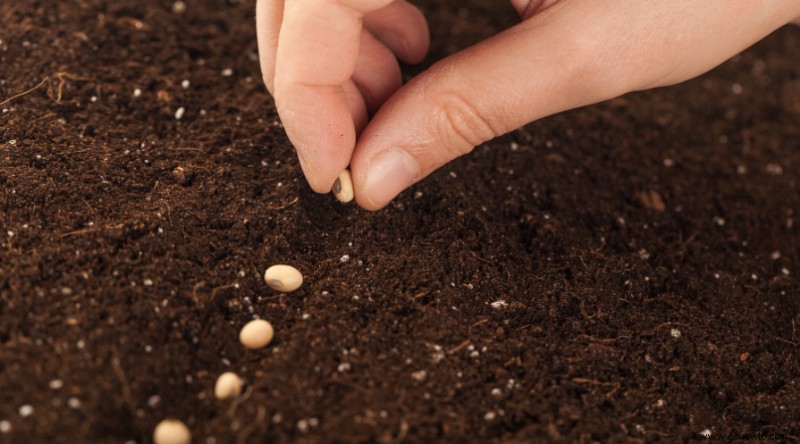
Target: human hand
{"type": "Point", "coordinates": [334, 62]}
{"type": "Point", "coordinates": [325, 71]}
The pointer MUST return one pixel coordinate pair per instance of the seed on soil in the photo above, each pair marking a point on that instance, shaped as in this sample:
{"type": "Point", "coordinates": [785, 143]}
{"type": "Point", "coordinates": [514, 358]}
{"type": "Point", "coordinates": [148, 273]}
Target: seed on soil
{"type": "Point", "coordinates": [343, 187]}
{"type": "Point", "coordinates": [181, 175]}
{"type": "Point", "coordinates": [178, 7]}
{"type": "Point", "coordinates": [256, 334]}
{"type": "Point", "coordinates": [26, 410]}
{"type": "Point", "coordinates": [229, 385]}
{"type": "Point", "coordinates": [172, 431]}
{"type": "Point", "coordinates": [283, 278]}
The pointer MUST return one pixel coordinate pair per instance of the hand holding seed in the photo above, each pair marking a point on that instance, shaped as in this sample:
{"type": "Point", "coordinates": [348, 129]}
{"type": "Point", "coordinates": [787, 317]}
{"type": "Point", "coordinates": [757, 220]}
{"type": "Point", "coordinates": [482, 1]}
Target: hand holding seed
{"type": "Point", "coordinates": [343, 187]}
{"type": "Point", "coordinates": [328, 62]}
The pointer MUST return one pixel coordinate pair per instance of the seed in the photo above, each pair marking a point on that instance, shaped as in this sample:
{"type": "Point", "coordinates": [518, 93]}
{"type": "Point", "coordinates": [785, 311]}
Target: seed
{"type": "Point", "coordinates": [172, 431]}
{"type": "Point", "coordinates": [283, 278]}
{"type": "Point", "coordinates": [229, 385]}
{"type": "Point", "coordinates": [343, 187]}
{"type": "Point", "coordinates": [256, 334]}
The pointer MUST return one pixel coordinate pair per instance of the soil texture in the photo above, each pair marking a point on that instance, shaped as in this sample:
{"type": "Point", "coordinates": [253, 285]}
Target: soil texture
{"type": "Point", "coordinates": [626, 272]}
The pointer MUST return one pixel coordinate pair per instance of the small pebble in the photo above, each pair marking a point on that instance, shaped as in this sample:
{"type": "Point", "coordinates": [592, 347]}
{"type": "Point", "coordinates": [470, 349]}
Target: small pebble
{"type": "Point", "coordinates": [172, 431]}
{"type": "Point", "coordinates": [179, 113]}
{"type": "Point", "coordinates": [500, 303]}
{"type": "Point", "coordinates": [26, 410]}
{"type": "Point", "coordinates": [178, 7]}
{"type": "Point", "coordinates": [256, 334]}
{"type": "Point", "coordinates": [153, 401]}
{"type": "Point", "coordinates": [283, 278]}
{"type": "Point", "coordinates": [343, 187]}
{"type": "Point", "coordinates": [302, 426]}
{"type": "Point", "coordinates": [229, 384]}
{"type": "Point", "coordinates": [5, 426]}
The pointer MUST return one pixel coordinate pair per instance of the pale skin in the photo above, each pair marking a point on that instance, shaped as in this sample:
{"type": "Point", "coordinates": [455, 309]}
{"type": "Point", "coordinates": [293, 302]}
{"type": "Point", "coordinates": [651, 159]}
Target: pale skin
{"type": "Point", "coordinates": [330, 64]}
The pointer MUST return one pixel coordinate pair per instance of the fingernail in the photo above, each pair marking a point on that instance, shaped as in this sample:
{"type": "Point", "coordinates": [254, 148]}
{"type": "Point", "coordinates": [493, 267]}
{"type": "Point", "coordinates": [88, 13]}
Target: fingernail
{"type": "Point", "coordinates": [393, 41]}
{"type": "Point", "coordinates": [389, 173]}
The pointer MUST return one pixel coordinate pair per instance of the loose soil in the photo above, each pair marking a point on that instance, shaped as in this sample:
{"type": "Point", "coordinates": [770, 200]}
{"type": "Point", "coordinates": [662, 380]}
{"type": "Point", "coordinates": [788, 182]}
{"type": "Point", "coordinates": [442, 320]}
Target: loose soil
{"type": "Point", "coordinates": [625, 272]}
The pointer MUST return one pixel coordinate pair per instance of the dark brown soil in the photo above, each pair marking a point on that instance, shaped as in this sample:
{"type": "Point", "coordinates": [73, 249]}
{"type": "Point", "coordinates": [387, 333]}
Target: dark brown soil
{"type": "Point", "coordinates": [624, 272]}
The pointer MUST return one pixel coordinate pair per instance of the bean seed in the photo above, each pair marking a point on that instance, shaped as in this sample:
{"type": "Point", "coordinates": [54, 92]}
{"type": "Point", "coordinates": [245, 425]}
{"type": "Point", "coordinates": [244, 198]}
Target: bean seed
{"type": "Point", "coordinates": [343, 187]}
{"type": "Point", "coordinates": [256, 334]}
{"type": "Point", "coordinates": [283, 278]}
{"type": "Point", "coordinates": [172, 431]}
{"type": "Point", "coordinates": [229, 385]}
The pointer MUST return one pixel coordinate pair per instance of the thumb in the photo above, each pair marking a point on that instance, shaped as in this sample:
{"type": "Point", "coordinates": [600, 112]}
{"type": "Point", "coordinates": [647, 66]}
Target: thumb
{"type": "Point", "coordinates": [575, 53]}
{"type": "Point", "coordinates": [524, 73]}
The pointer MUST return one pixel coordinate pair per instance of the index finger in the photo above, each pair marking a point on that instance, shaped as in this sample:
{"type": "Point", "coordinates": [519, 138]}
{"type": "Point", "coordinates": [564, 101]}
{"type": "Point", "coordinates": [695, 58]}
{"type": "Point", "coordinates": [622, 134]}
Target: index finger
{"type": "Point", "coordinates": [316, 56]}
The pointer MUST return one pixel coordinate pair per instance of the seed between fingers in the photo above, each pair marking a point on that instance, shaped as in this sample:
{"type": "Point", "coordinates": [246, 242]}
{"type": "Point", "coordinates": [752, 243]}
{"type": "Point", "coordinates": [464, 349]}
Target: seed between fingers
{"type": "Point", "coordinates": [343, 187]}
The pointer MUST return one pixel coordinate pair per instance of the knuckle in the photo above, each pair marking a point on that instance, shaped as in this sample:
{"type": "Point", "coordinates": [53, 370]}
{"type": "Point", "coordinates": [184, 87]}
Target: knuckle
{"type": "Point", "coordinates": [461, 125]}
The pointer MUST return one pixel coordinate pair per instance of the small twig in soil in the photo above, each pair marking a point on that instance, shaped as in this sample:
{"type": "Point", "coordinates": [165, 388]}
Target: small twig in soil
{"type": "Point", "coordinates": [421, 294]}
{"type": "Point", "coordinates": [81, 231]}
{"type": "Point", "coordinates": [92, 229]}
{"type": "Point", "coordinates": [88, 206]}
{"type": "Point", "coordinates": [215, 290]}
{"type": "Point", "coordinates": [55, 94]}
{"type": "Point", "coordinates": [239, 401]}
{"type": "Point", "coordinates": [25, 93]}
{"type": "Point", "coordinates": [293, 201]}
{"type": "Point", "coordinates": [253, 426]}
{"type": "Point", "coordinates": [614, 385]}
{"type": "Point", "coordinates": [187, 149]}
{"type": "Point", "coordinates": [668, 324]}
{"type": "Point", "coordinates": [196, 287]}
{"type": "Point", "coordinates": [604, 347]}
{"type": "Point", "coordinates": [458, 347]}
{"type": "Point", "coordinates": [600, 340]}
{"type": "Point", "coordinates": [126, 388]}
{"type": "Point", "coordinates": [482, 321]}
{"type": "Point", "coordinates": [401, 435]}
